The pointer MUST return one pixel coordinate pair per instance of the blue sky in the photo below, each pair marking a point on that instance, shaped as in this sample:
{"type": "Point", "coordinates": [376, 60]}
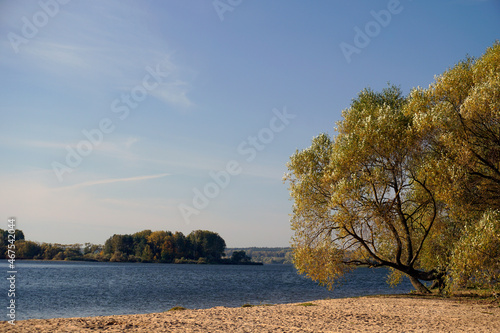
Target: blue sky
{"type": "Point", "coordinates": [171, 93]}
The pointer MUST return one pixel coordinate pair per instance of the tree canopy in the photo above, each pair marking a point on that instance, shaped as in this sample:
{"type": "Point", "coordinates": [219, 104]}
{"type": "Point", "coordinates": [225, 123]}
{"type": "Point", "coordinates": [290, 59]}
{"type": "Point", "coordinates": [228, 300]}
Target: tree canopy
{"type": "Point", "coordinates": [406, 183]}
{"type": "Point", "coordinates": [165, 246]}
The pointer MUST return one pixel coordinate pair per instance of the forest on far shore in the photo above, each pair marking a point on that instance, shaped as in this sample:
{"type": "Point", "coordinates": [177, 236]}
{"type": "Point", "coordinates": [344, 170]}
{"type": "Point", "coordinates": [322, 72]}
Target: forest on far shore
{"type": "Point", "coordinates": [266, 255]}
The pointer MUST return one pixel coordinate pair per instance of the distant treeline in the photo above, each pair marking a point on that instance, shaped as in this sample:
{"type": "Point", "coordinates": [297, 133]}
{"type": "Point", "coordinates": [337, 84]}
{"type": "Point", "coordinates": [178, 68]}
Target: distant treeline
{"type": "Point", "coordinates": [200, 246]}
{"type": "Point", "coordinates": [266, 255]}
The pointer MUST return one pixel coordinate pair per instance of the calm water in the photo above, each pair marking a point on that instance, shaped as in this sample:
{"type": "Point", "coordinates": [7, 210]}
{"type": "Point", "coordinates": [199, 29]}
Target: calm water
{"type": "Point", "coordinates": [71, 289]}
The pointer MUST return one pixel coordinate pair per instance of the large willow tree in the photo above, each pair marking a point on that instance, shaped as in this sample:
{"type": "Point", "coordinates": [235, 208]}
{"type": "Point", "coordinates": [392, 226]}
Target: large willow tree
{"type": "Point", "coordinates": [363, 198]}
{"type": "Point", "coordinates": [412, 184]}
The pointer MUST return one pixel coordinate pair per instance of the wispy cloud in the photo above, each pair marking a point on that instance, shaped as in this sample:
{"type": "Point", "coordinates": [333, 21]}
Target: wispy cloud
{"type": "Point", "coordinates": [62, 54]}
{"type": "Point", "coordinates": [118, 146]}
{"type": "Point", "coordinates": [174, 93]}
{"type": "Point", "coordinates": [104, 49]}
{"type": "Point", "coordinates": [130, 141]}
{"type": "Point", "coordinates": [112, 180]}
{"type": "Point", "coordinates": [41, 144]}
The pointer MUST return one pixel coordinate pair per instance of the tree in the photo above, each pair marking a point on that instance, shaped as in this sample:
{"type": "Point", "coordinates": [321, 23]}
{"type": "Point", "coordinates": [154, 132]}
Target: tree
{"type": "Point", "coordinates": [363, 198]}
{"type": "Point", "coordinates": [73, 252]}
{"type": "Point", "coordinates": [147, 254]}
{"type": "Point", "coordinates": [4, 238]}
{"type": "Point", "coordinates": [168, 250]}
{"type": "Point", "coordinates": [475, 259]}
{"type": "Point", "coordinates": [207, 244]}
{"type": "Point", "coordinates": [119, 243]}
{"type": "Point", "coordinates": [458, 117]}
{"type": "Point", "coordinates": [49, 251]}
{"type": "Point", "coordinates": [140, 241]}
{"type": "Point", "coordinates": [182, 245]}
{"type": "Point", "coordinates": [27, 249]}
{"type": "Point", "coordinates": [239, 257]}
{"type": "Point", "coordinates": [155, 240]}
{"type": "Point", "coordinates": [408, 183]}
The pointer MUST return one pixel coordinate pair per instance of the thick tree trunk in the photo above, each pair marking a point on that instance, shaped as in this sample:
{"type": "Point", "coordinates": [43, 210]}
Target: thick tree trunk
{"type": "Point", "coordinates": [419, 285]}
{"type": "Point", "coordinates": [438, 283]}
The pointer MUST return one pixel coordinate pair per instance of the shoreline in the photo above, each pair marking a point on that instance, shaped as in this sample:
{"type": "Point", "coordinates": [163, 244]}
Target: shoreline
{"type": "Point", "coordinates": [250, 263]}
{"type": "Point", "coordinates": [382, 313]}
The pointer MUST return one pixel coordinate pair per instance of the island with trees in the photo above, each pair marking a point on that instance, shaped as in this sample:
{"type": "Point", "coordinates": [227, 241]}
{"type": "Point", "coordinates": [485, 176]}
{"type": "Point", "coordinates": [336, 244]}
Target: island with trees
{"type": "Point", "coordinates": [199, 247]}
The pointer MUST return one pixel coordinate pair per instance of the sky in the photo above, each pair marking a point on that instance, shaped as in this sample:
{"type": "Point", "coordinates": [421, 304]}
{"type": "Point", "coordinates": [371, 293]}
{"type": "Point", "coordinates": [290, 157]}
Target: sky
{"type": "Point", "coordinates": [120, 116]}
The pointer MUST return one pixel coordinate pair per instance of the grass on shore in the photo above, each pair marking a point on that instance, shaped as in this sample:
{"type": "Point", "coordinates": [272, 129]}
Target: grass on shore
{"type": "Point", "coordinates": [177, 308]}
{"type": "Point", "coordinates": [478, 296]}
{"type": "Point", "coordinates": [306, 304]}
{"type": "Point", "coordinates": [248, 305]}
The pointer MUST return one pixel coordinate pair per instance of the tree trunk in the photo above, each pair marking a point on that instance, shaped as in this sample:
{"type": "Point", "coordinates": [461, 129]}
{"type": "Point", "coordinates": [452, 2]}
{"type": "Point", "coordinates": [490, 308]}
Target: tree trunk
{"type": "Point", "coordinates": [419, 285]}
{"type": "Point", "coordinates": [438, 283]}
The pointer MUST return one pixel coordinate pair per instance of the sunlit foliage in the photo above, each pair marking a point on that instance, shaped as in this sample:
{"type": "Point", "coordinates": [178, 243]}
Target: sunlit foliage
{"type": "Point", "coordinates": [475, 259]}
{"type": "Point", "coordinates": [406, 183]}
{"type": "Point", "coordinates": [458, 117]}
{"type": "Point", "coordinates": [361, 198]}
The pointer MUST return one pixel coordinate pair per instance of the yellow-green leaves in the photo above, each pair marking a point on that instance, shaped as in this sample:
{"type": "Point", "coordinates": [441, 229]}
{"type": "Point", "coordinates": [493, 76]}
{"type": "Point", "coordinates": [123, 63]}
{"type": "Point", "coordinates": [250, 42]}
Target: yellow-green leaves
{"type": "Point", "coordinates": [402, 178]}
{"type": "Point", "coordinates": [358, 198]}
{"type": "Point", "coordinates": [475, 259]}
{"type": "Point", "coordinates": [322, 263]}
{"type": "Point", "coordinates": [459, 117]}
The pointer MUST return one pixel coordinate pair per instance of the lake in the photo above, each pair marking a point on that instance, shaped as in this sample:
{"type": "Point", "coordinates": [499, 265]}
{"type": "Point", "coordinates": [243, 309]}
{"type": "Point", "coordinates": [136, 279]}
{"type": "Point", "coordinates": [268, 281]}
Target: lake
{"type": "Point", "coordinates": [75, 289]}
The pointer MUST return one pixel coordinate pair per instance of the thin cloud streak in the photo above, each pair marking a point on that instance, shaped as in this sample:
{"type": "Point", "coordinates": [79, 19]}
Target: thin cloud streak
{"type": "Point", "coordinates": [112, 180]}
{"type": "Point", "coordinates": [174, 93]}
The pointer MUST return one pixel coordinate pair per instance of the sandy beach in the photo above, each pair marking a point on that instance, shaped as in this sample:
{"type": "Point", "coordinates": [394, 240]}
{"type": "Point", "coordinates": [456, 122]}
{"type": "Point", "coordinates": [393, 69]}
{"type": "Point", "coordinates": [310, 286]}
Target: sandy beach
{"type": "Point", "coordinates": [364, 314]}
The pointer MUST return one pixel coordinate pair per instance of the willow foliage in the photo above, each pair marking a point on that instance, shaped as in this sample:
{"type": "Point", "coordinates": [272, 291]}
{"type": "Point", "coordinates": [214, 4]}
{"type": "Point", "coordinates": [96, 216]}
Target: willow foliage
{"type": "Point", "coordinates": [411, 183]}
{"type": "Point", "coordinates": [459, 117]}
{"type": "Point", "coordinates": [361, 198]}
{"type": "Point", "coordinates": [475, 258]}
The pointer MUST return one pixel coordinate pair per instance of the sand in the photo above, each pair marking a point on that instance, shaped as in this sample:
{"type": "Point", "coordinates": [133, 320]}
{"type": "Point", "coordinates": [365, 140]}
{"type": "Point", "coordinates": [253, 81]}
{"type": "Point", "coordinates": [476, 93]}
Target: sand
{"type": "Point", "coordinates": [364, 314]}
